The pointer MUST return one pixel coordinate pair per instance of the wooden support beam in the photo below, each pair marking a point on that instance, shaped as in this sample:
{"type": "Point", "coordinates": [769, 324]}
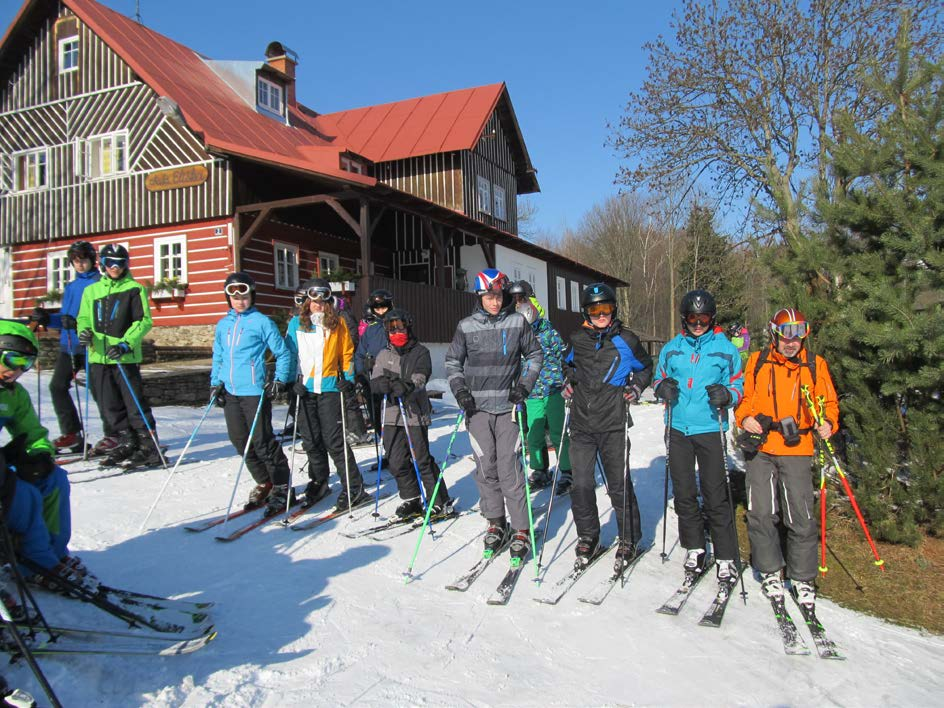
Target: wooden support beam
{"type": "Point", "coordinates": [488, 248]}
{"type": "Point", "coordinates": [434, 231]}
{"type": "Point", "coordinates": [365, 229]}
{"type": "Point", "coordinates": [376, 221]}
{"type": "Point", "coordinates": [288, 203]}
{"type": "Point", "coordinates": [359, 230]}
{"type": "Point", "coordinates": [257, 222]}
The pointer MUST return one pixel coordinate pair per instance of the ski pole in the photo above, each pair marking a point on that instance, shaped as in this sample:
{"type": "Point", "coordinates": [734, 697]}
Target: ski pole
{"type": "Point", "coordinates": [842, 476]}
{"type": "Point", "coordinates": [665, 487]}
{"type": "Point", "coordinates": [408, 575]}
{"type": "Point", "coordinates": [346, 451]}
{"type": "Point", "coordinates": [727, 481]}
{"type": "Point", "coordinates": [137, 403]}
{"type": "Point", "coordinates": [88, 385]}
{"type": "Point", "coordinates": [23, 649]}
{"type": "Point", "coordinates": [822, 511]}
{"type": "Point", "coordinates": [550, 503]}
{"type": "Point", "coordinates": [519, 411]}
{"type": "Point", "coordinates": [291, 466]}
{"type": "Point", "coordinates": [383, 414]}
{"type": "Point", "coordinates": [409, 440]}
{"type": "Point", "coordinates": [843, 566]}
{"type": "Point", "coordinates": [627, 480]}
{"type": "Point", "coordinates": [39, 391]}
{"type": "Point", "coordinates": [177, 463]}
{"type": "Point", "coordinates": [242, 462]}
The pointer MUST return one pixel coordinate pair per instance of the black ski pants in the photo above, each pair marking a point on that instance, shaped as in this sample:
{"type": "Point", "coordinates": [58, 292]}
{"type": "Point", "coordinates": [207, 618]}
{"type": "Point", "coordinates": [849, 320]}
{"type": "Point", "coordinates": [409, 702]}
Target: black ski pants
{"type": "Point", "coordinates": [400, 462]}
{"type": "Point", "coordinates": [116, 402]}
{"type": "Point", "coordinates": [318, 422]}
{"type": "Point", "coordinates": [611, 447]}
{"type": "Point", "coordinates": [706, 450]}
{"type": "Point", "coordinates": [59, 385]}
{"type": "Point", "coordinates": [265, 459]}
{"type": "Point", "coordinates": [353, 417]}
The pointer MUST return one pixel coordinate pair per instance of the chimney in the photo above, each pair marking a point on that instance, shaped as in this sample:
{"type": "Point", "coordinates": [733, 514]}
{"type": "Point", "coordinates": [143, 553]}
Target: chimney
{"type": "Point", "coordinates": [283, 60]}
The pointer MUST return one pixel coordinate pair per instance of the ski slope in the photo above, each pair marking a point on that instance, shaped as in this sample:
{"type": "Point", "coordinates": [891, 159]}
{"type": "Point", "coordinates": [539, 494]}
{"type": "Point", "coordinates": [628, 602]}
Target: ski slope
{"type": "Point", "coordinates": [317, 619]}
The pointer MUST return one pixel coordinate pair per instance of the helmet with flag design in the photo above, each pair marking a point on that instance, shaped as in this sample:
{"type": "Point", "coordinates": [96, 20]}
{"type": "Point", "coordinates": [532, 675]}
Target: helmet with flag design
{"type": "Point", "coordinates": [491, 280]}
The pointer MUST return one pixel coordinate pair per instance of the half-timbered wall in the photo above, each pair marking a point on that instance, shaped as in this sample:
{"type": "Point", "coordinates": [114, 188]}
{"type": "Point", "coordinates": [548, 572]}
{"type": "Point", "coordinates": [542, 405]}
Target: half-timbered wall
{"type": "Point", "coordinates": [413, 249]}
{"type": "Point", "coordinates": [41, 107]}
{"type": "Point", "coordinates": [436, 178]}
{"type": "Point", "coordinates": [491, 159]}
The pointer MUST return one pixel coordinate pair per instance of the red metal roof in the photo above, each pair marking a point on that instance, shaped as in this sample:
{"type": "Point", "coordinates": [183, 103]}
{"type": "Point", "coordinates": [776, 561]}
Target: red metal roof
{"type": "Point", "coordinates": [418, 126]}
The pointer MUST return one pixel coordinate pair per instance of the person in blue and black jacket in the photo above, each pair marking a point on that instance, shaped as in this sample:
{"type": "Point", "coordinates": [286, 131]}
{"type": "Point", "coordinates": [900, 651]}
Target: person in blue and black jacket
{"type": "Point", "coordinates": [607, 369]}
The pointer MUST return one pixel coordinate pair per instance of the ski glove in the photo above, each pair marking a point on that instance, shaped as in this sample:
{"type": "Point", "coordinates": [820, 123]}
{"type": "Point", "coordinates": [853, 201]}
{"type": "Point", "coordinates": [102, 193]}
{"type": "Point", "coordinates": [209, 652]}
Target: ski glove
{"type": "Point", "coordinates": [631, 393]}
{"type": "Point", "coordinates": [517, 395]}
{"type": "Point", "coordinates": [381, 385]}
{"type": "Point", "coordinates": [466, 402]}
{"type": "Point", "coordinates": [116, 351]}
{"type": "Point", "coordinates": [668, 390]}
{"type": "Point", "coordinates": [30, 467]}
{"type": "Point", "coordinates": [568, 391]}
{"type": "Point", "coordinates": [67, 322]}
{"type": "Point", "coordinates": [275, 388]}
{"type": "Point", "coordinates": [40, 317]}
{"type": "Point", "coordinates": [718, 396]}
{"type": "Point", "coordinates": [401, 389]}
{"type": "Point", "coordinates": [85, 337]}
{"type": "Point", "coordinates": [219, 392]}
{"type": "Point", "coordinates": [300, 389]}
{"type": "Point", "coordinates": [344, 386]}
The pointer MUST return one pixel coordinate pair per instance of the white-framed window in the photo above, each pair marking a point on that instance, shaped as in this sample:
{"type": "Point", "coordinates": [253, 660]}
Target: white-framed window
{"type": "Point", "coordinates": [58, 270]}
{"type": "Point", "coordinates": [485, 194]}
{"type": "Point", "coordinates": [30, 170]}
{"type": "Point", "coordinates": [574, 296]}
{"type": "Point", "coordinates": [170, 258]}
{"type": "Point", "coordinates": [561, 293]}
{"type": "Point", "coordinates": [286, 266]}
{"type": "Point", "coordinates": [269, 96]}
{"type": "Point", "coordinates": [328, 262]}
{"type": "Point", "coordinates": [106, 155]}
{"type": "Point", "coordinates": [500, 212]}
{"type": "Point", "coordinates": [352, 166]}
{"type": "Point", "coordinates": [68, 54]}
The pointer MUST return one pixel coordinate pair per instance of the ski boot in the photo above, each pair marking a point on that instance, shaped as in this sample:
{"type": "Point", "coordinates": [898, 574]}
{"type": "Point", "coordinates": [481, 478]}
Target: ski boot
{"type": "Point", "coordinates": [410, 508]}
{"type": "Point", "coordinates": [277, 499]}
{"type": "Point", "coordinates": [519, 547]}
{"type": "Point", "coordinates": [443, 509]}
{"type": "Point", "coordinates": [104, 446]}
{"type": "Point", "coordinates": [126, 447]}
{"type": "Point", "coordinates": [315, 492]}
{"type": "Point", "coordinates": [586, 548]}
{"type": "Point", "coordinates": [496, 536]}
{"type": "Point", "coordinates": [70, 442]}
{"type": "Point", "coordinates": [539, 479]}
{"type": "Point", "coordinates": [258, 496]}
{"type": "Point", "coordinates": [146, 456]}
{"type": "Point", "coordinates": [626, 553]}
{"type": "Point", "coordinates": [564, 483]}
{"type": "Point", "coordinates": [803, 592]}
{"type": "Point", "coordinates": [359, 497]}
{"type": "Point", "coordinates": [771, 585]}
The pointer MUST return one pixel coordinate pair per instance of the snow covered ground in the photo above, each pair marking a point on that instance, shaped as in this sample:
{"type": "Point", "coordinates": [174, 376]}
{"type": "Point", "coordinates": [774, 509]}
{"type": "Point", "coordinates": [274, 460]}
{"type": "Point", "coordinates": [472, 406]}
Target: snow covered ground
{"type": "Point", "coordinates": [319, 619]}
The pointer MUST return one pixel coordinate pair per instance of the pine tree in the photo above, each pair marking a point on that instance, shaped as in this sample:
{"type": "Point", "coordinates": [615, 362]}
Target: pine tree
{"type": "Point", "coordinates": [882, 309]}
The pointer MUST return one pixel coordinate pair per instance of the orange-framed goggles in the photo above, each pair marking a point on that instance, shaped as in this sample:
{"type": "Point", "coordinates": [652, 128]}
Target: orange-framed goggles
{"type": "Point", "coordinates": [598, 309]}
{"type": "Point", "coordinates": [793, 330]}
{"type": "Point", "coordinates": [700, 319]}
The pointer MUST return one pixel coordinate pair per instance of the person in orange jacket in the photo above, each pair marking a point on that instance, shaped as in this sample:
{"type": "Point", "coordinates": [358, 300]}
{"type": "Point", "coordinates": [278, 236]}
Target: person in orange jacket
{"type": "Point", "coordinates": [778, 445]}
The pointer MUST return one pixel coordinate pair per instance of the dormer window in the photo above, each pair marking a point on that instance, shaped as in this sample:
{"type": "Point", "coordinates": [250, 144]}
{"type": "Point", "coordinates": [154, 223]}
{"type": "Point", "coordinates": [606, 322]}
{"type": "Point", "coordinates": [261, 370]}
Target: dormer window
{"type": "Point", "coordinates": [270, 96]}
{"type": "Point", "coordinates": [349, 165]}
{"type": "Point", "coordinates": [68, 54]}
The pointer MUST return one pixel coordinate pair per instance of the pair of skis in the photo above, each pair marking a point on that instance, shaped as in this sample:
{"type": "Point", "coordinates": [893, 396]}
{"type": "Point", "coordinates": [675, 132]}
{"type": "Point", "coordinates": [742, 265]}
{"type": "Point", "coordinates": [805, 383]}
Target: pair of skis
{"type": "Point", "coordinates": [80, 640]}
{"type": "Point", "coordinates": [395, 526]}
{"type": "Point", "coordinates": [602, 589]}
{"type": "Point", "coordinates": [793, 643]}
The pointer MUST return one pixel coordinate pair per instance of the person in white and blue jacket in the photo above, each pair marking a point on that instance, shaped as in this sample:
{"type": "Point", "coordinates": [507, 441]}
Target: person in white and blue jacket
{"type": "Point", "coordinates": [238, 378]}
{"type": "Point", "coordinates": [82, 256]}
{"type": "Point", "coordinates": [699, 377]}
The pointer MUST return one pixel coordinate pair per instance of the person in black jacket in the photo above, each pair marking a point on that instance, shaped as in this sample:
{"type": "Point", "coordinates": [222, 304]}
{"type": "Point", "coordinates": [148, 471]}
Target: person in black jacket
{"type": "Point", "coordinates": [400, 373]}
{"type": "Point", "coordinates": [607, 369]}
{"type": "Point", "coordinates": [373, 340]}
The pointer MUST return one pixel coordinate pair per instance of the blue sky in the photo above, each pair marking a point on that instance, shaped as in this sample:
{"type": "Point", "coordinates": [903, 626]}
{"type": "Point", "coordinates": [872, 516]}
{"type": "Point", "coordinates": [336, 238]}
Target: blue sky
{"type": "Point", "coordinates": [569, 67]}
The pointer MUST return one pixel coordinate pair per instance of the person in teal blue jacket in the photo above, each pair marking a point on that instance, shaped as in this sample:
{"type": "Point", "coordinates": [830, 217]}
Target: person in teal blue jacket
{"type": "Point", "coordinates": [238, 378]}
{"type": "Point", "coordinates": [699, 377]}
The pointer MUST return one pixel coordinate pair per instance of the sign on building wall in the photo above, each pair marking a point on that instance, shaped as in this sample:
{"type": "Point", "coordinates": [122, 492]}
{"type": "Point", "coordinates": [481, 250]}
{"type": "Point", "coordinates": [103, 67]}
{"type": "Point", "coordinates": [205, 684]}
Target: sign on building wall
{"type": "Point", "coordinates": [176, 178]}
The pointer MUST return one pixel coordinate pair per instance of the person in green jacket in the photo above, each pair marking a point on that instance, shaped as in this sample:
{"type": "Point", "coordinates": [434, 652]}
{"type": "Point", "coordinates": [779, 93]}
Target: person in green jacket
{"type": "Point", "coordinates": [113, 319]}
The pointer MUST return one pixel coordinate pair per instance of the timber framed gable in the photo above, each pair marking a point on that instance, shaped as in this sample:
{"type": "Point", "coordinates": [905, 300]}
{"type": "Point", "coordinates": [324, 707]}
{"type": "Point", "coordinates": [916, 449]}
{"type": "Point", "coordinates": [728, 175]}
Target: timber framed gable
{"type": "Point", "coordinates": [116, 155]}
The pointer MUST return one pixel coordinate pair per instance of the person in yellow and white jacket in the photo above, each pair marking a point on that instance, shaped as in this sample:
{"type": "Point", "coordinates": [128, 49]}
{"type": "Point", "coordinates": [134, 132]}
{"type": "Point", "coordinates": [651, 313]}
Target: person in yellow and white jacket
{"type": "Point", "coordinates": [323, 369]}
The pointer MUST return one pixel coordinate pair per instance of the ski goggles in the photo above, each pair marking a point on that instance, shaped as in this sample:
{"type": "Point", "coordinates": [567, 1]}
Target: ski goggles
{"type": "Point", "coordinates": [700, 320]}
{"type": "Point", "coordinates": [300, 298]}
{"type": "Point", "coordinates": [238, 289]}
{"type": "Point", "coordinates": [17, 360]}
{"type": "Point", "coordinates": [111, 262]}
{"type": "Point", "coordinates": [319, 293]}
{"type": "Point", "coordinates": [598, 309]}
{"type": "Point", "coordinates": [793, 330]}
{"type": "Point", "coordinates": [396, 325]}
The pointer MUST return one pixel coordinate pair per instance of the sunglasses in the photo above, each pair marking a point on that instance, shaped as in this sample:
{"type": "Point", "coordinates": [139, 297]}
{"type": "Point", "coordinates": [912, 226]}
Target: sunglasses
{"type": "Point", "coordinates": [110, 262]}
{"type": "Point", "coordinates": [601, 308]}
{"type": "Point", "coordinates": [700, 320]}
{"type": "Point", "coordinates": [792, 330]}
{"type": "Point", "coordinates": [317, 293]}
{"type": "Point", "coordinates": [17, 360]}
{"type": "Point", "coordinates": [396, 326]}
{"type": "Point", "coordinates": [237, 289]}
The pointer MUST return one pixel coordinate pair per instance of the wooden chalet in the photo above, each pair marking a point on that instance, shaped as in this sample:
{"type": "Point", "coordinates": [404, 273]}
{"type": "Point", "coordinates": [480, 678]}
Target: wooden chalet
{"type": "Point", "coordinates": [112, 133]}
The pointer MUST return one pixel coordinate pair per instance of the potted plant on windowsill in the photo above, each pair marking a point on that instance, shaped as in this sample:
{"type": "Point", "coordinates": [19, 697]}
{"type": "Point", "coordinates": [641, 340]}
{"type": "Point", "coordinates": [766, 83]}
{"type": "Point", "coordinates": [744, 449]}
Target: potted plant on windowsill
{"type": "Point", "coordinates": [341, 280]}
{"type": "Point", "coordinates": [51, 300]}
{"type": "Point", "coordinates": [167, 289]}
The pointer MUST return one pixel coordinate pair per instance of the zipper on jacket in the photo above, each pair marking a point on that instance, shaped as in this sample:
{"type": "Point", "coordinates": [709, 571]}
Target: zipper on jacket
{"type": "Point", "coordinates": [234, 340]}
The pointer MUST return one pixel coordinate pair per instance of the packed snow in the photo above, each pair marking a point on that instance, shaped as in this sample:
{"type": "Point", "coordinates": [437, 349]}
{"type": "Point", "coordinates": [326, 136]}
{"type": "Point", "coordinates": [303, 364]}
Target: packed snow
{"type": "Point", "coordinates": [316, 618]}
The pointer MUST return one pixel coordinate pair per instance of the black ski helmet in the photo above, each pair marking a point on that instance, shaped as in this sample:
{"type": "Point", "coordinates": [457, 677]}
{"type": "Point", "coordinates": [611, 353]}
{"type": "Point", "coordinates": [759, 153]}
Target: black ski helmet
{"type": "Point", "coordinates": [113, 250]}
{"type": "Point", "coordinates": [698, 302]}
{"type": "Point", "coordinates": [82, 249]}
{"type": "Point", "coordinates": [381, 297]}
{"type": "Point", "coordinates": [398, 313]}
{"type": "Point", "coordinates": [243, 278]}
{"type": "Point", "coordinates": [594, 293]}
{"type": "Point", "coordinates": [521, 287]}
{"type": "Point", "coordinates": [321, 288]}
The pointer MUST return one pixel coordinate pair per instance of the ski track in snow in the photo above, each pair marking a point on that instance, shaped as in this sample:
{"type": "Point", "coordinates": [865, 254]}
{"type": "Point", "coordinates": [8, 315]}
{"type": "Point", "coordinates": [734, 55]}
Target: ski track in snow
{"type": "Point", "coordinates": [317, 619]}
